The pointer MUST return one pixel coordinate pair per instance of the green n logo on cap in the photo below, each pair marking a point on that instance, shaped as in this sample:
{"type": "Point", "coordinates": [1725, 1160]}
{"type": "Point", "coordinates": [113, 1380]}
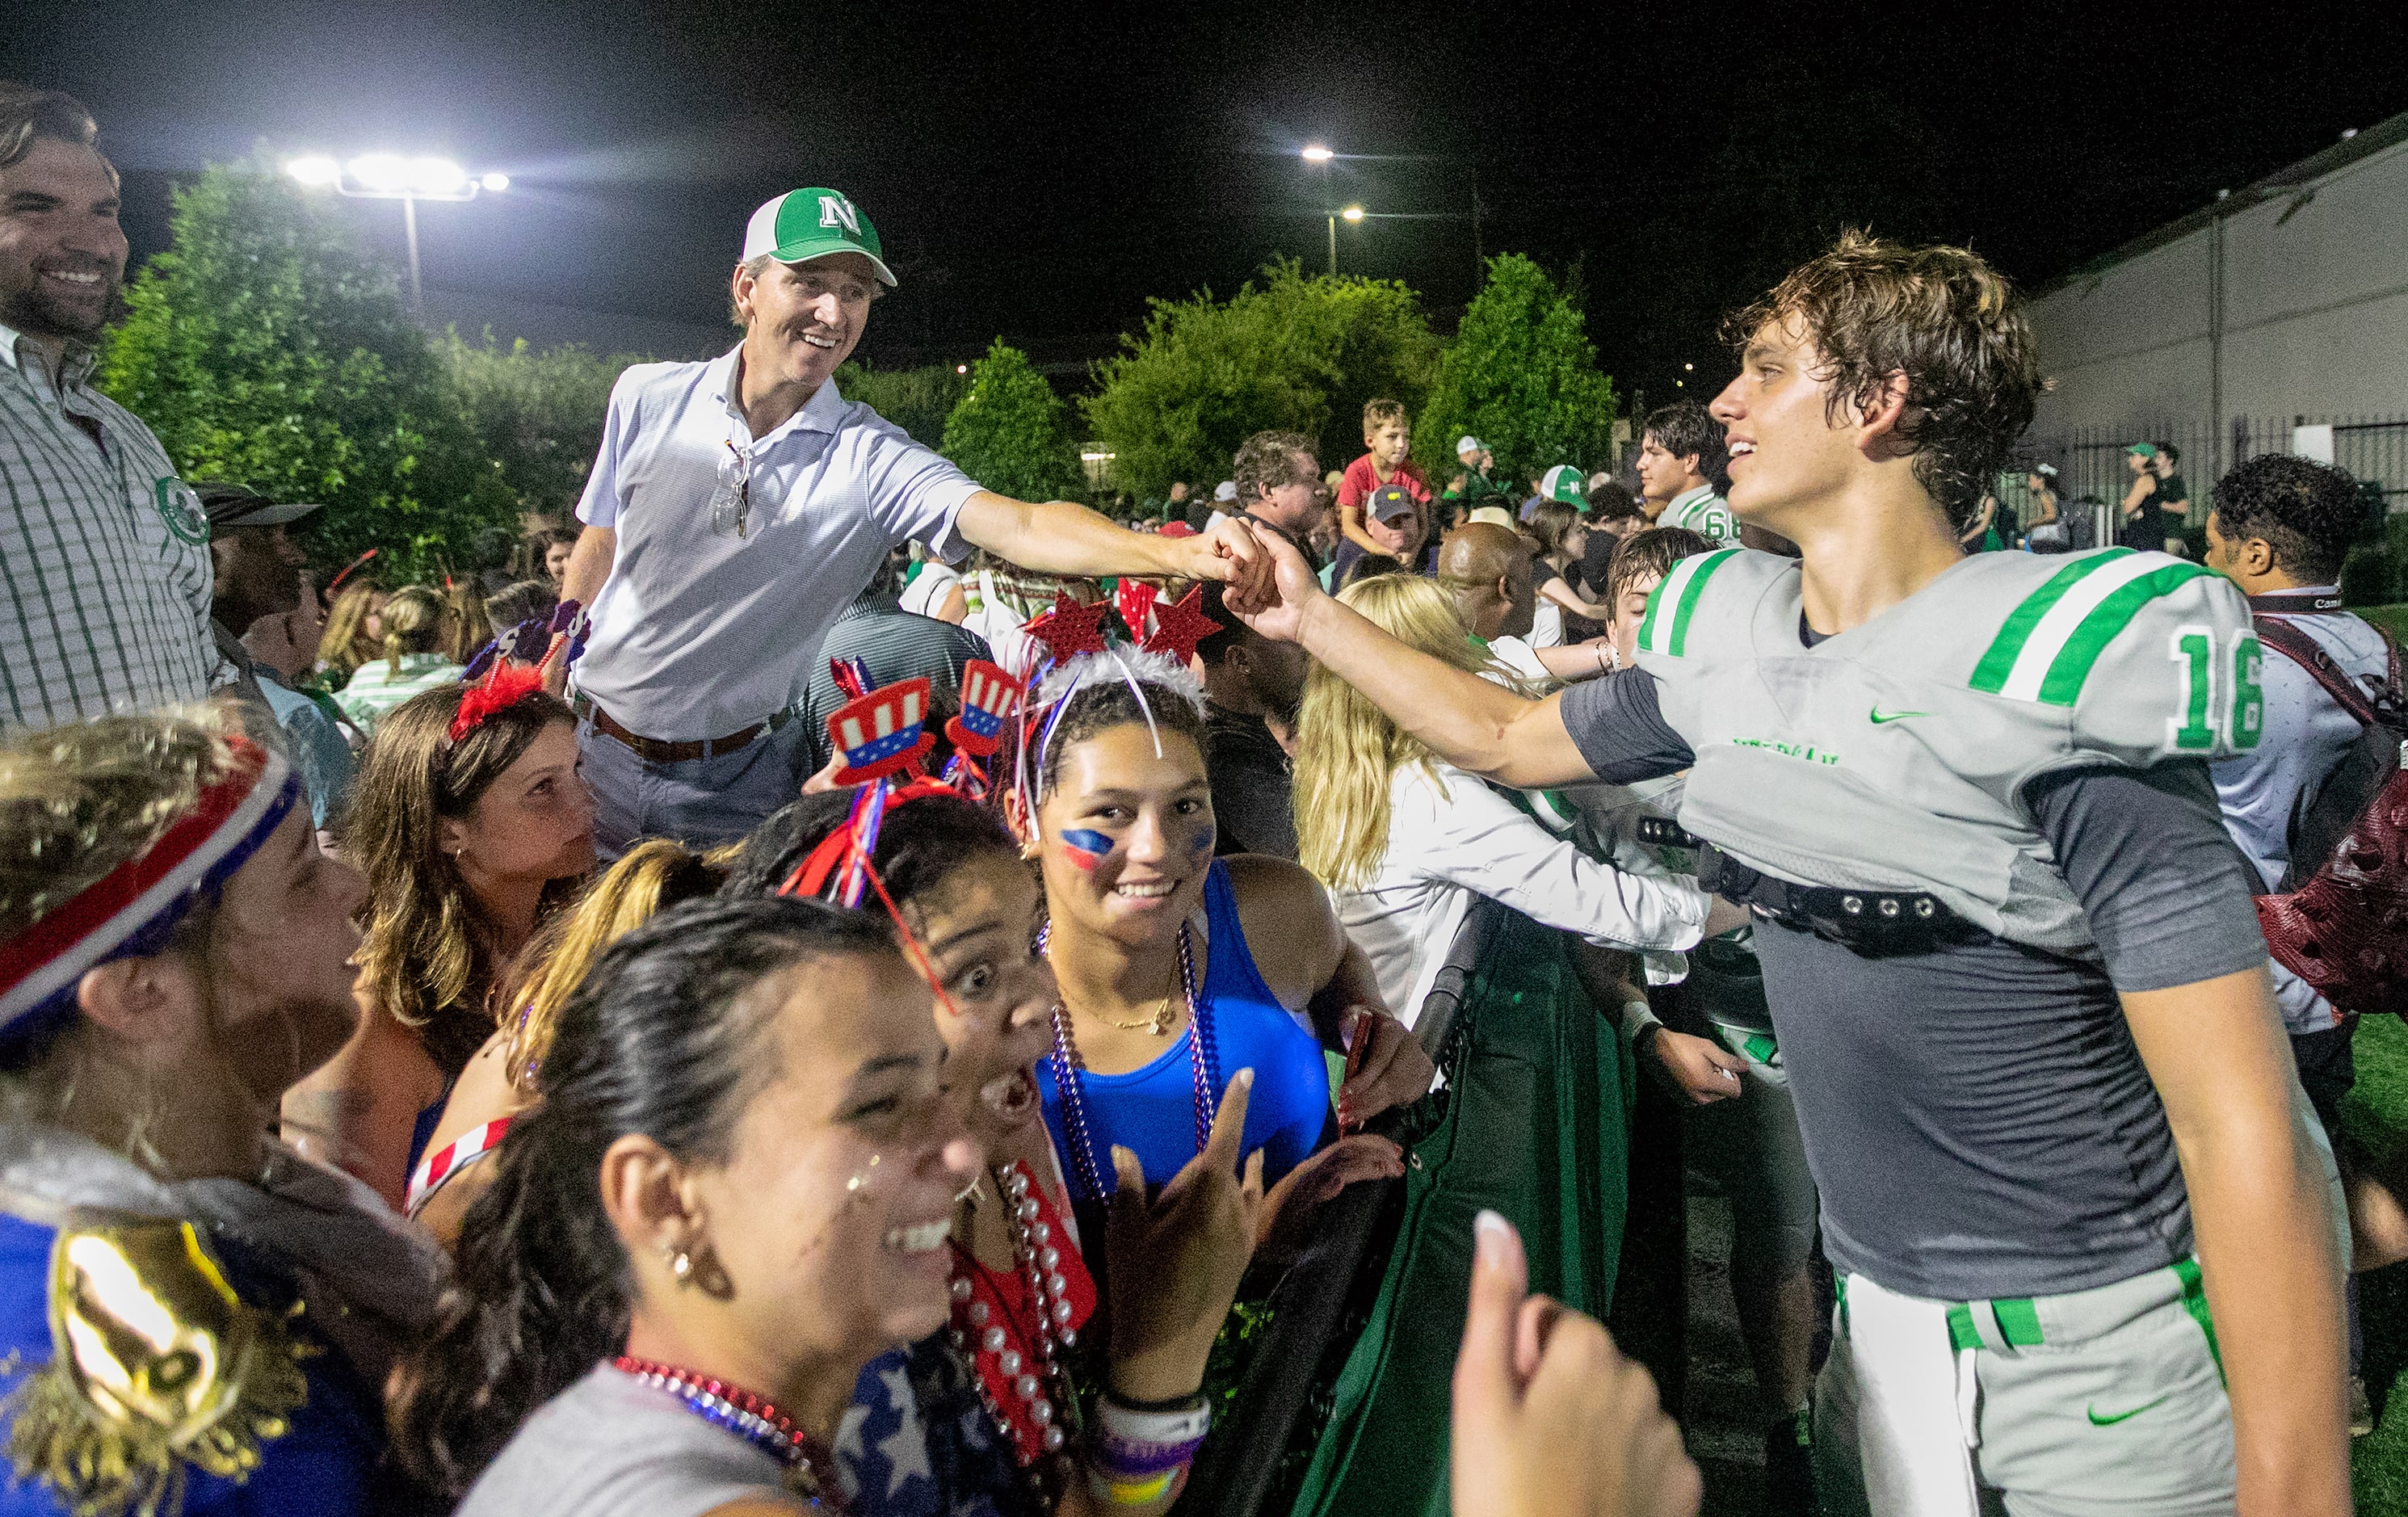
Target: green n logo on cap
{"type": "Point", "coordinates": [836, 210]}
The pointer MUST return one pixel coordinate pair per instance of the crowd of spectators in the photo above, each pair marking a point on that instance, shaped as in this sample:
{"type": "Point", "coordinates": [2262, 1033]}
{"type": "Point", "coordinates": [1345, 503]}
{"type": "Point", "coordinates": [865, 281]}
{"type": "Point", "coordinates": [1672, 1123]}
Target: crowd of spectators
{"type": "Point", "coordinates": [501, 1020]}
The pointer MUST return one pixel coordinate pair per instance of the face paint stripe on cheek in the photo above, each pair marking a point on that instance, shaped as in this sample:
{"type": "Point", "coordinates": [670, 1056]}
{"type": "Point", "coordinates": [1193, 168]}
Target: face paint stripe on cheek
{"type": "Point", "coordinates": [1085, 847]}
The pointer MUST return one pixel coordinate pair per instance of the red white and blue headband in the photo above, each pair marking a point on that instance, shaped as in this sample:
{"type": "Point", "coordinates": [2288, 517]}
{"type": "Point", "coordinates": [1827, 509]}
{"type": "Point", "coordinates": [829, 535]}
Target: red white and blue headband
{"type": "Point", "coordinates": [132, 910]}
{"type": "Point", "coordinates": [880, 735]}
{"type": "Point", "coordinates": [1162, 639]}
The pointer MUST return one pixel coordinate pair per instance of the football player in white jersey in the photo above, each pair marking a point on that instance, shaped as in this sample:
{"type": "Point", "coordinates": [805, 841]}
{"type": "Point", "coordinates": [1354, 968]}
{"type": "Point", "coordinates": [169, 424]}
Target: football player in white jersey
{"type": "Point", "coordinates": [2083, 1225]}
{"type": "Point", "coordinates": [1680, 453]}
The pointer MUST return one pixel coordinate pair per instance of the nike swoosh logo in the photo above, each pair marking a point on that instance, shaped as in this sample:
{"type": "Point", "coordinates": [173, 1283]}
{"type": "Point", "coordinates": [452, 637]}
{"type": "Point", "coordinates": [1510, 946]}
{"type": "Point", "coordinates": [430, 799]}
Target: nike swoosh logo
{"type": "Point", "coordinates": [1894, 716]}
{"type": "Point", "coordinates": [2097, 1421]}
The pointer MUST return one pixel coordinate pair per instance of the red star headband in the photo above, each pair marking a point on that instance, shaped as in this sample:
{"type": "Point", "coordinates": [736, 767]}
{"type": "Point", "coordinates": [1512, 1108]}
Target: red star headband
{"type": "Point", "coordinates": [133, 909]}
{"type": "Point", "coordinates": [507, 683]}
{"type": "Point", "coordinates": [1073, 636]}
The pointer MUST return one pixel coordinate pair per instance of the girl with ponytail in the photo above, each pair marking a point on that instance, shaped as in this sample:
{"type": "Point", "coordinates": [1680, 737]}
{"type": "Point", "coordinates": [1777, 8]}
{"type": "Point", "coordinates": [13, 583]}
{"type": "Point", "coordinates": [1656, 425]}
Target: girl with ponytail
{"type": "Point", "coordinates": [735, 1193]}
{"type": "Point", "coordinates": [418, 626]}
{"type": "Point", "coordinates": [197, 1319]}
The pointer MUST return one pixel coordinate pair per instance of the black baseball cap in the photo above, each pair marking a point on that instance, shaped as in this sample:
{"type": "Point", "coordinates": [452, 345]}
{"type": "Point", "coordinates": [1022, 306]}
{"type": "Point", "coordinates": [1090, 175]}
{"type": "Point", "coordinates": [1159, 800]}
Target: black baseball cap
{"type": "Point", "coordinates": [229, 505]}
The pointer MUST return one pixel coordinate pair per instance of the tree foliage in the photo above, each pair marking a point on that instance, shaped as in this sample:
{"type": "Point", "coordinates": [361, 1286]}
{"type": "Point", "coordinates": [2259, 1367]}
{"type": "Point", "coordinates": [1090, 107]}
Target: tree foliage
{"type": "Point", "coordinates": [537, 413]}
{"type": "Point", "coordinates": [1297, 353]}
{"type": "Point", "coordinates": [1522, 377]}
{"type": "Point", "coordinates": [918, 400]}
{"type": "Point", "coordinates": [266, 346]}
{"type": "Point", "coordinates": [1009, 433]}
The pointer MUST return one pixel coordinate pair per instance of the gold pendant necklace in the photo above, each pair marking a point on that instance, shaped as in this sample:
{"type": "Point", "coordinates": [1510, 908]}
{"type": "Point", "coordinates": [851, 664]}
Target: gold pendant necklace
{"type": "Point", "coordinates": [1158, 1023]}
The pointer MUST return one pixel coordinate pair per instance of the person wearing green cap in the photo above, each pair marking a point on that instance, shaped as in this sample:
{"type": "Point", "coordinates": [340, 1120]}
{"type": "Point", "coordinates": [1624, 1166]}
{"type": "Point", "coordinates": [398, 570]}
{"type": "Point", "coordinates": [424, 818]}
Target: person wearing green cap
{"type": "Point", "coordinates": [1564, 483]}
{"type": "Point", "coordinates": [738, 507]}
{"type": "Point", "coordinates": [2143, 525]}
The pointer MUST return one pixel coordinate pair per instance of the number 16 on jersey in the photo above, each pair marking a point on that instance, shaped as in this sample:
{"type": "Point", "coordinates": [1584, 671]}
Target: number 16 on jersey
{"type": "Point", "coordinates": [2219, 697]}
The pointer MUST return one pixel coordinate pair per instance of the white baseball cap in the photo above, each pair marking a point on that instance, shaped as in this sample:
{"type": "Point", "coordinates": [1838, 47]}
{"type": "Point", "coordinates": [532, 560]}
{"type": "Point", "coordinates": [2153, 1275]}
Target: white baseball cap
{"type": "Point", "coordinates": [1466, 444]}
{"type": "Point", "coordinates": [1225, 490]}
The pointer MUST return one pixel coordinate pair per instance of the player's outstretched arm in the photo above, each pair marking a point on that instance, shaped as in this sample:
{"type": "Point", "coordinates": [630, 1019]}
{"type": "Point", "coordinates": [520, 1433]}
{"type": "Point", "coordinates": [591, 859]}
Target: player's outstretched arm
{"type": "Point", "coordinates": [2266, 1233]}
{"type": "Point", "coordinates": [1058, 537]}
{"type": "Point", "coordinates": [1466, 720]}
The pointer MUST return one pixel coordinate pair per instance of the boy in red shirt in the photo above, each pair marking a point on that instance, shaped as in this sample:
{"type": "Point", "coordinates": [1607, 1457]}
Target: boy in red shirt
{"type": "Point", "coordinates": [1389, 438]}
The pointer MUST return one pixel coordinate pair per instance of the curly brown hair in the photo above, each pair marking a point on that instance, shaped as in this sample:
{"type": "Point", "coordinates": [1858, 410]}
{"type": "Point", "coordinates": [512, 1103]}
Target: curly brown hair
{"type": "Point", "coordinates": [1267, 461]}
{"type": "Point", "coordinates": [1942, 316]}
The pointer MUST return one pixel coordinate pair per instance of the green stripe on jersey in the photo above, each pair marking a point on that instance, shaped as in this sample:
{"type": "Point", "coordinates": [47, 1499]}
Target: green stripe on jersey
{"type": "Point", "coordinates": [2100, 627]}
{"type": "Point", "coordinates": [2053, 640]}
{"type": "Point", "coordinates": [1991, 674]}
{"type": "Point", "coordinates": [1679, 591]}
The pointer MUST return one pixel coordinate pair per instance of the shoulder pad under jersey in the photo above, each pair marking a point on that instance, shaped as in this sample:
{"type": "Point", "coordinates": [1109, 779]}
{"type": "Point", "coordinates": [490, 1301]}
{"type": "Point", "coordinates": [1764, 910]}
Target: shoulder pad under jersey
{"type": "Point", "coordinates": [2153, 657]}
{"type": "Point", "coordinates": [1706, 608]}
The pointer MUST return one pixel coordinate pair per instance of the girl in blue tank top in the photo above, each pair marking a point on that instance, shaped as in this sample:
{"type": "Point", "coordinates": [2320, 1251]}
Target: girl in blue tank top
{"type": "Point", "coordinates": [1175, 970]}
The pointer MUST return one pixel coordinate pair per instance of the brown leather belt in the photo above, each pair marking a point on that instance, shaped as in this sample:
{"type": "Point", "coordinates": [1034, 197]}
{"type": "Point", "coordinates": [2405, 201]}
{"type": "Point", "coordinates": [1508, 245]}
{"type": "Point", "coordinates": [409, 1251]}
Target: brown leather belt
{"type": "Point", "coordinates": [661, 751]}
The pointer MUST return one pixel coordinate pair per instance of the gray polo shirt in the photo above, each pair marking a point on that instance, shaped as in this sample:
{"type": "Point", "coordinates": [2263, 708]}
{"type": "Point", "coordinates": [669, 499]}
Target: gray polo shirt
{"type": "Point", "coordinates": [699, 634]}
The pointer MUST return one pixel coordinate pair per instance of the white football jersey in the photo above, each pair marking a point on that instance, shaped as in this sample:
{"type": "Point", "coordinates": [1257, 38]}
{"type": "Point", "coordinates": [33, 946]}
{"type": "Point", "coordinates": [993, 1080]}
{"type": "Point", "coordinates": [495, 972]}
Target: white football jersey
{"type": "Point", "coordinates": [1891, 756]}
{"type": "Point", "coordinates": [1704, 513]}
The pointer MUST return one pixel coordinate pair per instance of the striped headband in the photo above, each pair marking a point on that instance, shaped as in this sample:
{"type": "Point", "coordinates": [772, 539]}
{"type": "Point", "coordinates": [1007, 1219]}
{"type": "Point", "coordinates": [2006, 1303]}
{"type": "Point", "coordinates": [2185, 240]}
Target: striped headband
{"type": "Point", "coordinates": [133, 908]}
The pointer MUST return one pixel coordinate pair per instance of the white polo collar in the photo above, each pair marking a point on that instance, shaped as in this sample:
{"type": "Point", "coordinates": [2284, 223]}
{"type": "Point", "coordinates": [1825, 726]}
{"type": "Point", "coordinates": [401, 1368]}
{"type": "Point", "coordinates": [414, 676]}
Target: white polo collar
{"type": "Point", "coordinates": [822, 412]}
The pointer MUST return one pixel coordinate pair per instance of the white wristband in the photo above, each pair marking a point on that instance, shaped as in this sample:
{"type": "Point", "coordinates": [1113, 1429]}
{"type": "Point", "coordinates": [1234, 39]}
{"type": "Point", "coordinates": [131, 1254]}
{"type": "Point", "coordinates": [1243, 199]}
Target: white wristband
{"type": "Point", "coordinates": [1637, 1018]}
{"type": "Point", "coordinates": [1153, 1426]}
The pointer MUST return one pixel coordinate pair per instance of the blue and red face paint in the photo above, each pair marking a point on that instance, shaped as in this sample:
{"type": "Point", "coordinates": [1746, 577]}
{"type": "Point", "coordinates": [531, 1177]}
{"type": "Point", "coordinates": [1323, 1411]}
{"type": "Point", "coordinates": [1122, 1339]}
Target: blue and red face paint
{"type": "Point", "coordinates": [1085, 847]}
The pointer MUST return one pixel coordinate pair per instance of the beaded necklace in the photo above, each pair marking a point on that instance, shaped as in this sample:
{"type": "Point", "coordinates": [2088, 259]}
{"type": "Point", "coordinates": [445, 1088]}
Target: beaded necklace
{"type": "Point", "coordinates": [750, 1418]}
{"type": "Point", "coordinates": [1018, 1350]}
{"type": "Point", "coordinates": [1204, 1060]}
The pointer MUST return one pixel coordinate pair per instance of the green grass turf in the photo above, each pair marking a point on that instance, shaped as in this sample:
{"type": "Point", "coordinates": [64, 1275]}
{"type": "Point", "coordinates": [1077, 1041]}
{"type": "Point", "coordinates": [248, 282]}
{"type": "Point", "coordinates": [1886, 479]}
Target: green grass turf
{"type": "Point", "coordinates": [2391, 619]}
{"type": "Point", "coordinates": [2376, 1114]}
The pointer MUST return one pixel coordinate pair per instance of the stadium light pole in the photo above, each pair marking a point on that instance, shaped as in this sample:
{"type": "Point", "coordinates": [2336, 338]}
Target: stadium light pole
{"type": "Point", "coordinates": [390, 176]}
{"type": "Point", "coordinates": [1321, 156]}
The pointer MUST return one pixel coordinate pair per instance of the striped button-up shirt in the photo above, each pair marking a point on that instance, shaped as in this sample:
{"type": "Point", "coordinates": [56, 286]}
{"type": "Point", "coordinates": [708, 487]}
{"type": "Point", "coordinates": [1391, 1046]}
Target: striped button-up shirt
{"type": "Point", "coordinates": [104, 554]}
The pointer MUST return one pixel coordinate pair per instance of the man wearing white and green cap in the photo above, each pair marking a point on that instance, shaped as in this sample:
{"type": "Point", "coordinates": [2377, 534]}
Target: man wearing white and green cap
{"type": "Point", "coordinates": [1475, 482]}
{"type": "Point", "coordinates": [738, 506]}
{"type": "Point", "coordinates": [1564, 483]}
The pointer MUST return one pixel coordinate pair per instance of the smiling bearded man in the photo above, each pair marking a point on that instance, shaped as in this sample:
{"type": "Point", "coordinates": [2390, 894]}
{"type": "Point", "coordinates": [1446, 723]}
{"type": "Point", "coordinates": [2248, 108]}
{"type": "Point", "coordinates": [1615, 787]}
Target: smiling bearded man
{"type": "Point", "coordinates": [104, 562]}
{"type": "Point", "coordinates": [737, 508]}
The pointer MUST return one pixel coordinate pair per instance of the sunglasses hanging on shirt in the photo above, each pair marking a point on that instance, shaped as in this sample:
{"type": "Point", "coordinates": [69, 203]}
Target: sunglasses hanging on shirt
{"type": "Point", "coordinates": [731, 502]}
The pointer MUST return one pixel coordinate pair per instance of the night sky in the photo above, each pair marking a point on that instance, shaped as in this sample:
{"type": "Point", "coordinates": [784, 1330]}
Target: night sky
{"type": "Point", "coordinates": [1038, 171]}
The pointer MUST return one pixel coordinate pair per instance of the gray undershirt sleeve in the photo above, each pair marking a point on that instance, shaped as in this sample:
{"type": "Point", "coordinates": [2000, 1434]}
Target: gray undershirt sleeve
{"type": "Point", "coordinates": [1619, 728]}
{"type": "Point", "coordinates": [2146, 853]}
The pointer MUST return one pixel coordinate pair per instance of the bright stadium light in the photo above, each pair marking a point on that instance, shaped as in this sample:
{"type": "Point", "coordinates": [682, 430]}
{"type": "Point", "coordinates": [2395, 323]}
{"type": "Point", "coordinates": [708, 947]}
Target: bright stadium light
{"type": "Point", "coordinates": [1318, 154]}
{"type": "Point", "coordinates": [317, 171]}
{"type": "Point", "coordinates": [439, 178]}
{"type": "Point", "coordinates": [392, 176]}
{"type": "Point", "coordinates": [380, 173]}
{"type": "Point", "coordinates": [1352, 213]}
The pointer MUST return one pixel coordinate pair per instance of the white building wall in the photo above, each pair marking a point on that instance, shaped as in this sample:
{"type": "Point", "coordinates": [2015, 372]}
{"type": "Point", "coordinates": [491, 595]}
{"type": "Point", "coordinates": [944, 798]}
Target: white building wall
{"type": "Point", "coordinates": [2315, 315]}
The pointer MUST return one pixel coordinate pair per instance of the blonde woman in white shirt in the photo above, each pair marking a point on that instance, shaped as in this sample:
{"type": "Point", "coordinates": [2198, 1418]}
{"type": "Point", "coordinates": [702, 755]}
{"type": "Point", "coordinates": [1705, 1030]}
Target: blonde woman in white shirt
{"type": "Point", "coordinates": [1405, 842]}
